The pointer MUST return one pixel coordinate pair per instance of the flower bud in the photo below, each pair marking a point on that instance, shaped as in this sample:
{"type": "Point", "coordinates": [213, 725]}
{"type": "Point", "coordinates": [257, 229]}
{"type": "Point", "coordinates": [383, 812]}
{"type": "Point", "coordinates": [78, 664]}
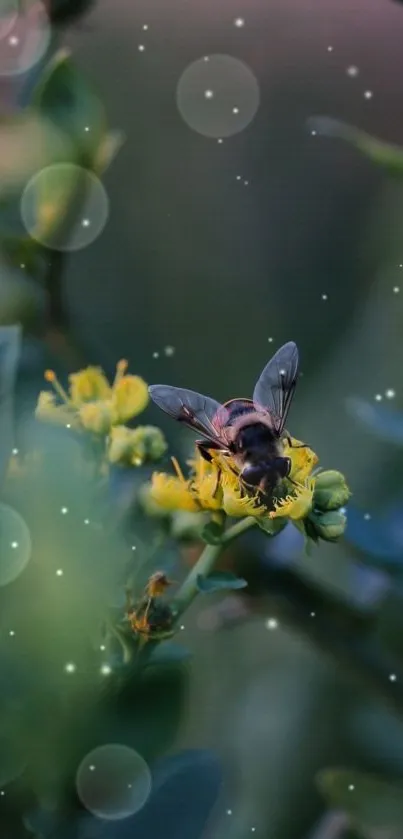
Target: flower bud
{"type": "Point", "coordinates": [89, 385]}
{"type": "Point", "coordinates": [331, 490]}
{"type": "Point", "coordinates": [134, 446]}
{"type": "Point", "coordinates": [187, 526]}
{"type": "Point", "coordinates": [329, 526]}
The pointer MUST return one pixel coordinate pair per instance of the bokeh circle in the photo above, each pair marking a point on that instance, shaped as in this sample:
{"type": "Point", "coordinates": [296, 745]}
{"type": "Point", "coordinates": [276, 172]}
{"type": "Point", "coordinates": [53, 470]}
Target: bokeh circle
{"type": "Point", "coordinates": [218, 96]}
{"type": "Point", "coordinates": [25, 35]}
{"type": "Point", "coordinates": [15, 544]}
{"type": "Point", "coordinates": [64, 207]}
{"type": "Point", "coordinates": [113, 782]}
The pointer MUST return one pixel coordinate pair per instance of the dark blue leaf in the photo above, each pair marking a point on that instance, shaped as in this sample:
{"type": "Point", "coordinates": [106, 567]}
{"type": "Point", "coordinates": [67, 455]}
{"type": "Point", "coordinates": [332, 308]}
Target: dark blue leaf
{"type": "Point", "coordinates": [374, 538]}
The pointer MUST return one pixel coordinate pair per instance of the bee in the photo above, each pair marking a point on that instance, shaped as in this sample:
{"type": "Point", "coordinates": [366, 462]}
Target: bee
{"type": "Point", "coordinates": [150, 614]}
{"type": "Point", "coordinates": [249, 431]}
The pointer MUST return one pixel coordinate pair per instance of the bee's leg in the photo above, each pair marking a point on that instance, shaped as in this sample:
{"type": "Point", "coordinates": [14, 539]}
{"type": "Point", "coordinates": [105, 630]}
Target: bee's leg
{"type": "Point", "coordinates": [301, 446]}
{"type": "Point", "coordinates": [204, 445]}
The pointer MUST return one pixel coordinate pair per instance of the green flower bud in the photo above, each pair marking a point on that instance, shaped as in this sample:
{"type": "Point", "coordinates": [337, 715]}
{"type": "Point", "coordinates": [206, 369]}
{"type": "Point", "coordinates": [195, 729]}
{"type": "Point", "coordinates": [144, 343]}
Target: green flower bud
{"type": "Point", "coordinates": [135, 446]}
{"type": "Point", "coordinates": [329, 526]}
{"type": "Point", "coordinates": [331, 490]}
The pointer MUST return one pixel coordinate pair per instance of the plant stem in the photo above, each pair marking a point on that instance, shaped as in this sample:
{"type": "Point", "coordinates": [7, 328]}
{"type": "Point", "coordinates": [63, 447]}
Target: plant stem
{"type": "Point", "coordinates": [205, 564]}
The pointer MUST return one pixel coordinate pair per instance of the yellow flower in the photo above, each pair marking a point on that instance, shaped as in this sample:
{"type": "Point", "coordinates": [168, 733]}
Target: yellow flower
{"type": "Point", "coordinates": [235, 502]}
{"type": "Point", "coordinates": [303, 459]}
{"type": "Point", "coordinates": [129, 398]}
{"type": "Point", "coordinates": [96, 416]}
{"type": "Point", "coordinates": [134, 446]}
{"type": "Point", "coordinates": [49, 410]}
{"type": "Point", "coordinates": [295, 506]}
{"type": "Point", "coordinates": [89, 385]}
{"type": "Point", "coordinates": [92, 401]}
{"type": "Point", "coordinates": [173, 492]}
{"type": "Point", "coordinates": [206, 483]}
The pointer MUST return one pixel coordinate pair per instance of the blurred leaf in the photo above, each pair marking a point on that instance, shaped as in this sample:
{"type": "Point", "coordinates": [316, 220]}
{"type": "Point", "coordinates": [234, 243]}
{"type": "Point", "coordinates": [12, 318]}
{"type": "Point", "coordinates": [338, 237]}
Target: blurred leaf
{"type": "Point", "coordinates": [167, 652]}
{"type": "Point", "coordinates": [374, 806]}
{"type": "Point", "coordinates": [384, 423]}
{"type": "Point", "coordinates": [185, 789]}
{"type": "Point", "coordinates": [387, 155]}
{"type": "Point", "coordinates": [28, 142]}
{"type": "Point", "coordinates": [19, 250]}
{"type": "Point", "coordinates": [67, 11]}
{"type": "Point", "coordinates": [57, 196]}
{"type": "Point", "coordinates": [271, 526]}
{"type": "Point", "coordinates": [220, 581]}
{"type": "Point", "coordinates": [107, 150]}
{"type": "Point", "coordinates": [64, 96]}
{"type": "Point", "coordinates": [10, 342]}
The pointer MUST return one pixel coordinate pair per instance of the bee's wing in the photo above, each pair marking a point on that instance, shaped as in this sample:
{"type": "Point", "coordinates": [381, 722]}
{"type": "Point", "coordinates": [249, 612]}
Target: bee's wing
{"type": "Point", "coordinates": [199, 412]}
{"type": "Point", "coordinates": [276, 385]}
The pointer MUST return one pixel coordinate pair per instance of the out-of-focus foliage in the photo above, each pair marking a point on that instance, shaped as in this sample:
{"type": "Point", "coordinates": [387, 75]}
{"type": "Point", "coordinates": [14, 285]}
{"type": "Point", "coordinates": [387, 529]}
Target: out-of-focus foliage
{"type": "Point", "coordinates": [373, 805]}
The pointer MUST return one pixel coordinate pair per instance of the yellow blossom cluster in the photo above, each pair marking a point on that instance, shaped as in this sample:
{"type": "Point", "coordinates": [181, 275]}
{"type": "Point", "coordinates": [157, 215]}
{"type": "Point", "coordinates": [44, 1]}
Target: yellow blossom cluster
{"type": "Point", "coordinates": [91, 404]}
{"type": "Point", "coordinates": [217, 486]}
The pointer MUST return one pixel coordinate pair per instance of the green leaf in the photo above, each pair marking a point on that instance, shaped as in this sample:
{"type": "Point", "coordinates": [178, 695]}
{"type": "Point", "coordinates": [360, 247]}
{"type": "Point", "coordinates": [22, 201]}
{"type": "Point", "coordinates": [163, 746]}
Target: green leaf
{"type": "Point", "coordinates": [373, 805]}
{"type": "Point", "coordinates": [65, 97]}
{"type": "Point", "coordinates": [271, 526]}
{"type": "Point", "coordinates": [387, 155]}
{"type": "Point", "coordinates": [220, 581]}
{"type": "Point", "coordinates": [212, 533]}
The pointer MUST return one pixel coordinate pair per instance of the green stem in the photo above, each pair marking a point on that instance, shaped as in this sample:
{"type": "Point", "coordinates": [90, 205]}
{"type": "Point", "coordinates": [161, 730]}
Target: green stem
{"type": "Point", "coordinates": [206, 563]}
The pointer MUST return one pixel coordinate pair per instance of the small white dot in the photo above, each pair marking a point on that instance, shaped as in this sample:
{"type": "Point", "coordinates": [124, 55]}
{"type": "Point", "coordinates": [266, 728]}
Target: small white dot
{"type": "Point", "coordinates": [14, 545]}
{"type": "Point", "coordinates": [145, 26]}
{"type": "Point", "coordinates": [396, 289]}
{"type": "Point", "coordinates": [102, 647]}
{"type": "Point", "coordinates": [282, 372]}
{"type": "Point", "coordinates": [270, 340]}
{"type": "Point", "coordinates": [246, 183]}
{"type": "Point", "coordinates": [235, 110]}
{"type": "Point", "coordinates": [392, 677]}
{"type": "Point", "coordinates": [59, 572]}
{"type": "Point", "coordinates": [239, 22]}
{"type": "Point", "coordinates": [2, 792]}
{"type": "Point", "coordinates": [68, 425]}
{"type": "Point", "coordinates": [86, 521]}
{"type": "Point", "coordinates": [229, 812]}
{"type": "Point", "coordinates": [182, 627]}
{"type": "Point", "coordinates": [22, 265]}
{"type": "Point", "coordinates": [85, 222]}
{"type": "Point", "coordinates": [239, 177]}
{"type": "Point", "coordinates": [367, 516]}
{"type": "Point", "coordinates": [324, 297]}
{"type": "Point", "coordinates": [313, 132]}
{"type": "Point", "coordinates": [272, 623]}
{"type": "Point", "coordinates": [12, 633]}
{"type": "Point", "coordinates": [313, 614]}
{"type": "Point", "coordinates": [206, 58]}
{"type": "Point", "coordinates": [13, 41]}
{"type": "Point", "coordinates": [91, 768]}
{"type": "Point", "coordinates": [220, 141]}
{"type": "Point", "coordinates": [87, 128]}
{"type": "Point", "coordinates": [70, 667]}
{"type": "Point", "coordinates": [378, 397]}
{"type": "Point", "coordinates": [141, 47]}
{"type": "Point", "coordinates": [368, 94]}
{"type": "Point", "coordinates": [106, 670]}
{"type": "Point", "coordinates": [330, 49]}
{"type": "Point", "coordinates": [64, 510]}
{"type": "Point", "coordinates": [208, 94]}
{"type": "Point", "coordinates": [390, 393]}
{"type": "Point", "coordinates": [156, 355]}
{"type": "Point", "coordinates": [401, 265]}
{"type": "Point", "coordinates": [169, 351]}
{"type": "Point", "coordinates": [134, 548]}
{"type": "Point", "coordinates": [352, 71]}
{"type": "Point", "coordinates": [351, 787]}
{"type": "Point", "coordinates": [15, 451]}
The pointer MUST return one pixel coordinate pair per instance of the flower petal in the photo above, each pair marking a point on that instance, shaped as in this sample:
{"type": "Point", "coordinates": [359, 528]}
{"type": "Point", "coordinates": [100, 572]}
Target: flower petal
{"type": "Point", "coordinates": [89, 385]}
{"type": "Point", "coordinates": [172, 493]}
{"type": "Point", "coordinates": [130, 397]}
